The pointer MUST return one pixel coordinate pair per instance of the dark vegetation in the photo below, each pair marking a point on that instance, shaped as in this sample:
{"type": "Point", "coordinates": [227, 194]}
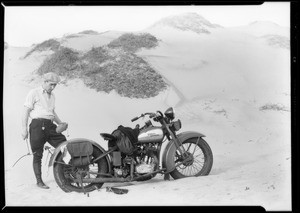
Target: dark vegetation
{"type": "Point", "coordinates": [50, 44]}
{"type": "Point", "coordinates": [107, 68]}
{"type": "Point", "coordinates": [131, 42]}
{"type": "Point", "coordinates": [275, 107]}
{"type": "Point", "coordinates": [89, 32]}
{"type": "Point", "coordinates": [63, 62]}
{"type": "Point", "coordinates": [277, 41]}
{"type": "Point", "coordinates": [72, 36]}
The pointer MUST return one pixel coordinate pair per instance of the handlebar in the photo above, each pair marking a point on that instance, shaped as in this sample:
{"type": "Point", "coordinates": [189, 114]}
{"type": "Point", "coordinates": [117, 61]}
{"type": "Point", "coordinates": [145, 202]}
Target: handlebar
{"type": "Point", "coordinates": [151, 115]}
{"type": "Point", "coordinates": [134, 119]}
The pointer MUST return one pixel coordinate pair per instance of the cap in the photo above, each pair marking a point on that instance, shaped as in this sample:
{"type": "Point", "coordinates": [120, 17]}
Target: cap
{"type": "Point", "coordinates": [51, 76]}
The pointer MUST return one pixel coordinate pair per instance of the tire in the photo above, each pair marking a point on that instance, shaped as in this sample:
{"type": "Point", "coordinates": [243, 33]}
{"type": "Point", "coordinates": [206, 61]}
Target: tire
{"type": "Point", "coordinates": [62, 173]}
{"type": "Point", "coordinates": [200, 164]}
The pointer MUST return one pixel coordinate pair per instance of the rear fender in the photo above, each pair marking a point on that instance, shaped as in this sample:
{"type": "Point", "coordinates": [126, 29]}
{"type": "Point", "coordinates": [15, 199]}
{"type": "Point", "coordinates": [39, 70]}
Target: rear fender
{"type": "Point", "coordinates": [57, 150]}
{"type": "Point", "coordinates": [171, 145]}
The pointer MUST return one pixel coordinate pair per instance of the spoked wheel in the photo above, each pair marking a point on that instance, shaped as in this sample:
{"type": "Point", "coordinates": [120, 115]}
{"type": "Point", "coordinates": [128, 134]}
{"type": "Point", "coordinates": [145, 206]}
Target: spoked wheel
{"type": "Point", "coordinates": [64, 174]}
{"type": "Point", "coordinates": [196, 161]}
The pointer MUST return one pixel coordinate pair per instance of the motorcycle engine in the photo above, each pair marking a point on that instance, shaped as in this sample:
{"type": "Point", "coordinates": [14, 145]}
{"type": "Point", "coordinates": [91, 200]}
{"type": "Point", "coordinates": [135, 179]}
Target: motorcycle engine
{"type": "Point", "coordinates": [145, 161]}
{"type": "Point", "coordinates": [144, 168]}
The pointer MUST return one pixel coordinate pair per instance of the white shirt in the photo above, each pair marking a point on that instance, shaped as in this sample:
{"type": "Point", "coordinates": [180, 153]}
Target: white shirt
{"type": "Point", "coordinates": [42, 104]}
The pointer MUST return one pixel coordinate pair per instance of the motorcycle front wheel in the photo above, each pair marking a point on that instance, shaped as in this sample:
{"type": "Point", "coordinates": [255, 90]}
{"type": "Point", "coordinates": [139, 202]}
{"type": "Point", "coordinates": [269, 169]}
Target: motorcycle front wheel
{"type": "Point", "coordinates": [197, 160]}
{"type": "Point", "coordinates": [65, 174]}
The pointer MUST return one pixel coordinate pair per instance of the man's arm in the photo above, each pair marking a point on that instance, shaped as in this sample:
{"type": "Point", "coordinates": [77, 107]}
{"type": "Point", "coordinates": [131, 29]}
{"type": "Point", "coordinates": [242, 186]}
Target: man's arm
{"type": "Point", "coordinates": [56, 118]}
{"type": "Point", "coordinates": [58, 121]}
{"type": "Point", "coordinates": [25, 116]}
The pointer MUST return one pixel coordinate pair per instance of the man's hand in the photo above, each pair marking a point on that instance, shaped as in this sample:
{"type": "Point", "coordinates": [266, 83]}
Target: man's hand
{"type": "Point", "coordinates": [25, 116]}
{"type": "Point", "coordinates": [25, 134]}
{"type": "Point", "coordinates": [61, 127]}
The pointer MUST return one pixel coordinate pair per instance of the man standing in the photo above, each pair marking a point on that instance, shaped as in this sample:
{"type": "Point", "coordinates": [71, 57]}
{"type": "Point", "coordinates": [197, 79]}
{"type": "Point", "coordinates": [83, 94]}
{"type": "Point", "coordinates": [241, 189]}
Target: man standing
{"type": "Point", "coordinates": [40, 107]}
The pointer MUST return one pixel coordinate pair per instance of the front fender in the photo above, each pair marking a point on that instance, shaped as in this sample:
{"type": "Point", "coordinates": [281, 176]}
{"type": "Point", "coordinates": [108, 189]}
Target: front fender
{"type": "Point", "coordinates": [58, 149]}
{"type": "Point", "coordinates": [171, 145]}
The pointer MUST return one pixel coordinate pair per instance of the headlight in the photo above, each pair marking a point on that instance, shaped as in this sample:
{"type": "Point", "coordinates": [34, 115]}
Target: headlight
{"type": "Point", "coordinates": [176, 125]}
{"type": "Point", "coordinates": [170, 113]}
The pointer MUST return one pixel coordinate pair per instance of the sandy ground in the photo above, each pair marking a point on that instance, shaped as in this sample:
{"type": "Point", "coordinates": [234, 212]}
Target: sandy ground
{"type": "Point", "coordinates": [218, 82]}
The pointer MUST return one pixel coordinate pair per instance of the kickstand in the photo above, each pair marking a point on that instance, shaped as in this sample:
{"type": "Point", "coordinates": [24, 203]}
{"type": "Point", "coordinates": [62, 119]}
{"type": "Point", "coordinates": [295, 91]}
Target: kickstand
{"type": "Point", "coordinates": [81, 184]}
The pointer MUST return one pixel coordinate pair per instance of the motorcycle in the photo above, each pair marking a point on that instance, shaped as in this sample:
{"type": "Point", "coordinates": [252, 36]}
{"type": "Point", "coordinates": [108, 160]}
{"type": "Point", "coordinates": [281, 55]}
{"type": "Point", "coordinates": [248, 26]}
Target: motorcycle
{"type": "Point", "coordinates": [186, 154]}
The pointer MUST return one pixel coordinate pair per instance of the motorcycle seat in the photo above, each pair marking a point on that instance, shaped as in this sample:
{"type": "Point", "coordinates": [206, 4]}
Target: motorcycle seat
{"type": "Point", "coordinates": [108, 137]}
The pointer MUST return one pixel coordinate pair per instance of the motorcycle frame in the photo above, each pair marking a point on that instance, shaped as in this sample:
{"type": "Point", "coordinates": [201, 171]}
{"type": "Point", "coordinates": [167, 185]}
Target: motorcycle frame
{"type": "Point", "coordinates": [173, 136]}
{"type": "Point", "coordinates": [164, 125]}
{"type": "Point", "coordinates": [175, 140]}
{"type": "Point", "coordinates": [131, 178]}
{"type": "Point", "coordinates": [181, 137]}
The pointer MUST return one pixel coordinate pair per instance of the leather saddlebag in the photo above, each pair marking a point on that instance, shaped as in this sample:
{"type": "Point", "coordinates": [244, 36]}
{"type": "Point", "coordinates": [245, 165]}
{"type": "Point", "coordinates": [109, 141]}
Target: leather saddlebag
{"type": "Point", "coordinates": [81, 152]}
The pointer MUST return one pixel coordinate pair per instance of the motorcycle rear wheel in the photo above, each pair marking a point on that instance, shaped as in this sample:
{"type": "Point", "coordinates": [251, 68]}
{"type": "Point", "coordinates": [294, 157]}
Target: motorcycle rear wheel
{"type": "Point", "coordinates": [63, 174]}
{"type": "Point", "coordinates": [201, 159]}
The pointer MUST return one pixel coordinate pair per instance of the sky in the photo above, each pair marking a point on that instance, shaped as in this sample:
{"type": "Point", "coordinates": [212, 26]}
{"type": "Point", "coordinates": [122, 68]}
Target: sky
{"type": "Point", "coordinates": [25, 25]}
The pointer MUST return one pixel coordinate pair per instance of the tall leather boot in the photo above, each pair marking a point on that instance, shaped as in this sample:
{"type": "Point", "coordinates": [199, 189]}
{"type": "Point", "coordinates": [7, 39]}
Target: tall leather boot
{"type": "Point", "coordinates": [37, 168]}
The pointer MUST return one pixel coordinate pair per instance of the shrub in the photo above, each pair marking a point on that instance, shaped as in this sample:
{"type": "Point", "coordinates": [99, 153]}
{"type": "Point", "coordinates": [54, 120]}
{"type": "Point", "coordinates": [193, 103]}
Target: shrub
{"type": "Point", "coordinates": [106, 69]}
{"type": "Point", "coordinates": [130, 76]}
{"type": "Point", "coordinates": [96, 55]}
{"type": "Point", "coordinates": [72, 36]}
{"type": "Point", "coordinates": [277, 41]}
{"type": "Point", "coordinates": [89, 69]}
{"type": "Point", "coordinates": [132, 43]}
{"type": "Point", "coordinates": [50, 44]}
{"type": "Point", "coordinates": [89, 32]}
{"type": "Point", "coordinates": [276, 107]}
{"type": "Point", "coordinates": [63, 62]}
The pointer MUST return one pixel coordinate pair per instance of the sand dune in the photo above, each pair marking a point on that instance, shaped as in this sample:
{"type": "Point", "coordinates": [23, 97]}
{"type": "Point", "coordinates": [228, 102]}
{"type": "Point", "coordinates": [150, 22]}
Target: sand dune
{"type": "Point", "coordinates": [220, 79]}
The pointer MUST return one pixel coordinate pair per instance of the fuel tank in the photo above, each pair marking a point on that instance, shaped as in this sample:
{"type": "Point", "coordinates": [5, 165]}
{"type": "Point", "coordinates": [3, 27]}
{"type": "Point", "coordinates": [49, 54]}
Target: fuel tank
{"type": "Point", "coordinates": [151, 135]}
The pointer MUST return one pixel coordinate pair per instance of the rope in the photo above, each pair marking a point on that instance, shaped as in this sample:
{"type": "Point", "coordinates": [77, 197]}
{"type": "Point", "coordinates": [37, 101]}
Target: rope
{"type": "Point", "coordinates": [29, 153]}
